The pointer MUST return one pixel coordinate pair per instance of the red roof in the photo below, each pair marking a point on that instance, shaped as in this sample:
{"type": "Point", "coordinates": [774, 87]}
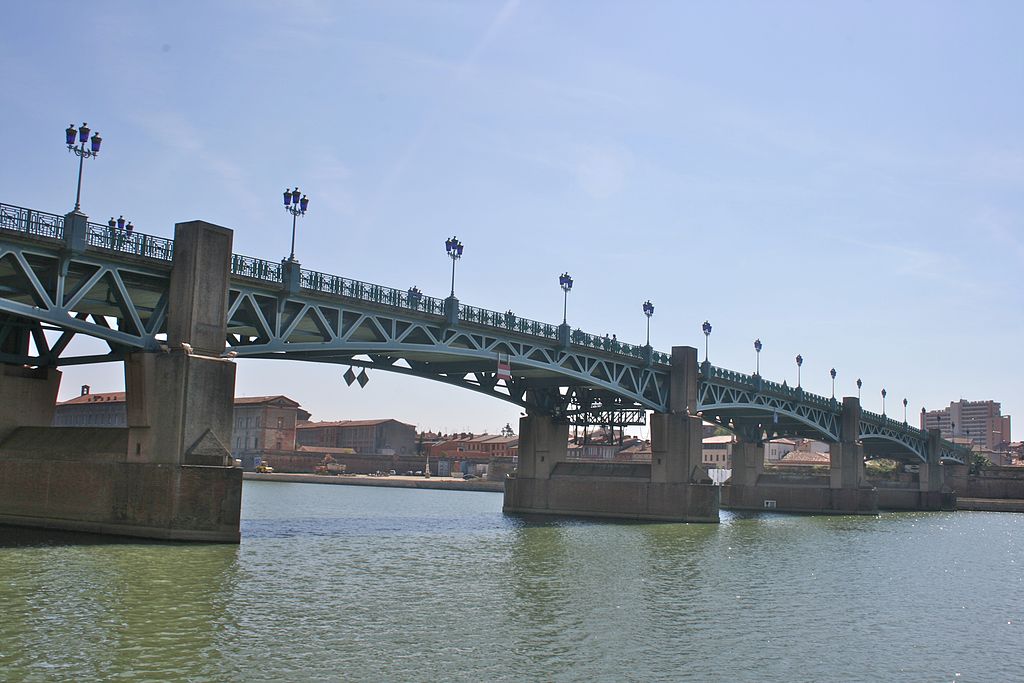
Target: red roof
{"type": "Point", "coordinates": [257, 400]}
{"type": "Point", "coordinates": [111, 397]}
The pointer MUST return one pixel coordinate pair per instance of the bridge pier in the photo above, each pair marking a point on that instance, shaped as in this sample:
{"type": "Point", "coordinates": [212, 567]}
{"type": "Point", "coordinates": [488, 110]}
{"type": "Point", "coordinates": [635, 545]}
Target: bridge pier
{"type": "Point", "coordinates": [672, 487]}
{"type": "Point", "coordinates": [843, 492]}
{"type": "Point", "coordinates": [932, 492]}
{"type": "Point", "coordinates": [169, 474]}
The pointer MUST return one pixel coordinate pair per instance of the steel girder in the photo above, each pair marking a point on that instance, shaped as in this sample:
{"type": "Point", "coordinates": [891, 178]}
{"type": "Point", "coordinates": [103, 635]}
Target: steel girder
{"type": "Point", "coordinates": [759, 414]}
{"type": "Point", "coordinates": [264, 323]}
{"type": "Point", "coordinates": [49, 290]}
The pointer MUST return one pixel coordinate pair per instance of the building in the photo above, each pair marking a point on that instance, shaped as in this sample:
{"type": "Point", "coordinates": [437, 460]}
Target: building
{"type": "Point", "coordinates": [384, 437]}
{"type": "Point", "coordinates": [716, 451]}
{"type": "Point", "coordinates": [979, 421]}
{"type": "Point", "coordinates": [92, 410]}
{"type": "Point", "coordinates": [264, 425]}
{"type": "Point", "coordinates": [776, 449]}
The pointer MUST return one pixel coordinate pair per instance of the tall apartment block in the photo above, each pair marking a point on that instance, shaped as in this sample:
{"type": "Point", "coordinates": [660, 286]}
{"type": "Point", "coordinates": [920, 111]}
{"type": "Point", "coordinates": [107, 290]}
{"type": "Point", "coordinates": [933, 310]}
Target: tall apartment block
{"type": "Point", "coordinates": [979, 421]}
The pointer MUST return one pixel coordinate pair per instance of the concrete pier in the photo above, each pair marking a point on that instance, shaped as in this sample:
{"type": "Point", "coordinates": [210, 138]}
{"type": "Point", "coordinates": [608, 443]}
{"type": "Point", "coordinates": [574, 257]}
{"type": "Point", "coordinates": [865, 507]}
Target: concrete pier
{"type": "Point", "coordinates": [169, 475]}
{"type": "Point", "coordinates": [672, 487]}
{"type": "Point", "coordinates": [843, 492]}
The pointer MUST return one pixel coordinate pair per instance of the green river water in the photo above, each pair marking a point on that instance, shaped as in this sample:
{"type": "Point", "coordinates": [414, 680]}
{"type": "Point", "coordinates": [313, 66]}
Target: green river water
{"type": "Point", "coordinates": [346, 583]}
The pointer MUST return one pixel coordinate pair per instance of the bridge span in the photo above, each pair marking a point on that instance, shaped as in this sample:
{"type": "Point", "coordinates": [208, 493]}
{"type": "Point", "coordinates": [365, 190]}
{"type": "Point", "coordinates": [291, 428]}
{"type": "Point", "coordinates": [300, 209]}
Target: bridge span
{"type": "Point", "coordinates": [179, 313]}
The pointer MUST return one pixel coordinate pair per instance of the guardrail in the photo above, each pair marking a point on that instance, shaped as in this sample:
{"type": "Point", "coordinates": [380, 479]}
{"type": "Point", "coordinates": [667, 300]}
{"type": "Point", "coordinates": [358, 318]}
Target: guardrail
{"type": "Point", "coordinates": [413, 300]}
{"type": "Point", "coordinates": [134, 243]}
{"type": "Point", "coordinates": [255, 268]}
{"type": "Point", "coordinates": [31, 222]}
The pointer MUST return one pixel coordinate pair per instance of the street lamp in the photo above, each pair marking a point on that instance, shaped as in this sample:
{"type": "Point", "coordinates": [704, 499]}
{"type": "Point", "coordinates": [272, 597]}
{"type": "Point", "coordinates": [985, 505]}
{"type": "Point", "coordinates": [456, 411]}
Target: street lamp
{"type": "Point", "coordinates": [757, 358]}
{"type": "Point", "coordinates": [904, 411]}
{"type": "Point", "coordinates": [415, 296]}
{"type": "Point", "coordinates": [859, 383]}
{"type": "Point", "coordinates": [296, 204]}
{"type": "Point", "coordinates": [565, 282]}
{"type": "Point", "coordinates": [883, 402]}
{"type": "Point", "coordinates": [832, 372]}
{"type": "Point", "coordinates": [648, 311]}
{"type": "Point", "coordinates": [707, 333]}
{"type": "Point", "coordinates": [799, 362]}
{"type": "Point", "coordinates": [117, 227]}
{"type": "Point", "coordinates": [453, 246]}
{"type": "Point", "coordinates": [81, 152]}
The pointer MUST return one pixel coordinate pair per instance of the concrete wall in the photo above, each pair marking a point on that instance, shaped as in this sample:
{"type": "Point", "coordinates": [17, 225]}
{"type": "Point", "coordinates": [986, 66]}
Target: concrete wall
{"type": "Point", "coordinates": [77, 479]}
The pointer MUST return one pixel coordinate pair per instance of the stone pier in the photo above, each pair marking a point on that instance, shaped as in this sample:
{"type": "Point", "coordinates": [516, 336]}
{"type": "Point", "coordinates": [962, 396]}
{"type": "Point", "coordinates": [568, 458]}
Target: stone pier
{"type": "Point", "coordinates": [169, 474]}
{"type": "Point", "coordinates": [843, 491]}
{"type": "Point", "coordinates": [672, 487]}
{"type": "Point", "coordinates": [932, 491]}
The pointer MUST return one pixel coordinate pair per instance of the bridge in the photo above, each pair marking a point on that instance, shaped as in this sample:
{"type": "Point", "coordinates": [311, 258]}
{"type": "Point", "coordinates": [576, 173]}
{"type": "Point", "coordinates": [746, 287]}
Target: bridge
{"type": "Point", "coordinates": [151, 299]}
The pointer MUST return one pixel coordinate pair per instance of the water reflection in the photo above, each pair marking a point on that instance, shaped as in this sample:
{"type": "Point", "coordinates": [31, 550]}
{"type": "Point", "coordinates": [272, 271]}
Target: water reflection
{"type": "Point", "coordinates": [114, 605]}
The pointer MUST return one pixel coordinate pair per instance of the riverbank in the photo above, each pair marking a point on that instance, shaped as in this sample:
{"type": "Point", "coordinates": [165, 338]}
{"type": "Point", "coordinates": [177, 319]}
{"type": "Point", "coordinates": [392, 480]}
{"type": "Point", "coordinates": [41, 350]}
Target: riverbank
{"type": "Point", "coordinates": [990, 504]}
{"type": "Point", "coordinates": [397, 481]}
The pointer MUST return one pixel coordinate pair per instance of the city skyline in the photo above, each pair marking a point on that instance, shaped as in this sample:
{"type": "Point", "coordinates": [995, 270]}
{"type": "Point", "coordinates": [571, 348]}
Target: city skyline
{"type": "Point", "coordinates": [840, 183]}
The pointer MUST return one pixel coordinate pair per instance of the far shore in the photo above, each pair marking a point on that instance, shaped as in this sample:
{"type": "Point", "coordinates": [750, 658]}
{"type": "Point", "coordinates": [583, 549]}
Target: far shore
{"type": "Point", "coordinates": [395, 481]}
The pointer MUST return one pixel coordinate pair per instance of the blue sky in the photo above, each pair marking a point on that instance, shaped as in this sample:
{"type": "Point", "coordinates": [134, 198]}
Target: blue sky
{"type": "Point", "coordinates": [844, 181]}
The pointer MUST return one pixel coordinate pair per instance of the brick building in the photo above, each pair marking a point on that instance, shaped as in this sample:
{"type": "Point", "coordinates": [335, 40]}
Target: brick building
{"type": "Point", "coordinates": [385, 436]}
{"type": "Point", "coordinates": [264, 426]}
{"type": "Point", "coordinates": [92, 410]}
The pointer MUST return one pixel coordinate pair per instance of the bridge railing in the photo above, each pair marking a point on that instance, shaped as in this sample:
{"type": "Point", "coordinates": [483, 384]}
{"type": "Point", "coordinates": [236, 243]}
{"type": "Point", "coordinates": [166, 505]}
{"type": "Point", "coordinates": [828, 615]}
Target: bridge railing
{"type": "Point", "coordinates": [31, 222]}
{"type": "Point", "coordinates": [508, 321]}
{"type": "Point", "coordinates": [134, 243]}
{"type": "Point", "coordinates": [255, 268]}
{"type": "Point", "coordinates": [325, 283]}
{"type": "Point", "coordinates": [886, 421]}
{"type": "Point", "coordinates": [767, 386]}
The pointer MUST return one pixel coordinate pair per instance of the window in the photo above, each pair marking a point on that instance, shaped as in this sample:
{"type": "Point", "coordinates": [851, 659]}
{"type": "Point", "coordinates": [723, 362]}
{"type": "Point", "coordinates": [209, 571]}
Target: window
{"type": "Point", "coordinates": [280, 423]}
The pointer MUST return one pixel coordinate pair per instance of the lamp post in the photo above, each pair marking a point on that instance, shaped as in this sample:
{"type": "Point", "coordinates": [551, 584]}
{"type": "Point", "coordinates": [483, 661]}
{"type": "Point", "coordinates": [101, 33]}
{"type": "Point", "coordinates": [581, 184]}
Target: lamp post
{"type": "Point", "coordinates": [565, 282]}
{"type": "Point", "coordinates": [832, 372]}
{"type": "Point", "coordinates": [707, 333]}
{"type": "Point", "coordinates": [81, 152]}
{"type": "Point", "coordinates": [648, 311]}
{"type": "Point", "coordinates": [757, 357]}
{"type": "Point", "coordinates": [904, 411]}
{"type": "Point", "coordinates": [859, 383]}
{"type": "Point", "coordinates": [453, 246]}
{"type": "Point", "coordinates": [415, 296]}
{"type": "Point", "coordinates": [117, 227]}
{"type": "Point", "coordinates": [883, 402]}
{"type": "Point", "coordinates": [296, 204]}
{"type": "Point", "coordinates": [799, 363]}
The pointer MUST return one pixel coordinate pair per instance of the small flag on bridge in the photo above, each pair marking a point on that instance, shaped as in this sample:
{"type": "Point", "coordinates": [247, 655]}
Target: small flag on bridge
{"type": "Point", "coordinates": [504, 367]}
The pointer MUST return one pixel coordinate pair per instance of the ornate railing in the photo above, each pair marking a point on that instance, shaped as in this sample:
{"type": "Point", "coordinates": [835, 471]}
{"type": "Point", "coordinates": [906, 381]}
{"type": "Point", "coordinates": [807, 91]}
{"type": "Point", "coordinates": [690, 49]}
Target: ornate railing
{"type": "Point", "coordinates": [255, 268]}
{"type": "Point", "coordinates": [767, 386]}
{"type": "Point", "coordinates": [508, 321]}
{"type": "Point", "coordinates": [134, 243]}
{"type": "Point", "coordinates": [325, 283]}
{"type": "Point", "coordinates": [31, 222]}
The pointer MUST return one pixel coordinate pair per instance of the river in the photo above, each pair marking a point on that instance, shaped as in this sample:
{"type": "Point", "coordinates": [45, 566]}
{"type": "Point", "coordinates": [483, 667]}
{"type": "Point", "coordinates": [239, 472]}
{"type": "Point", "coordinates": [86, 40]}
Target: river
{"type": "Point", "coordinates": [373, 584]}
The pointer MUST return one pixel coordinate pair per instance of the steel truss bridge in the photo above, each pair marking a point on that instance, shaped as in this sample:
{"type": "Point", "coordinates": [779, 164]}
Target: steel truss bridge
{"type": "Point", "coordinates": [115, 288]}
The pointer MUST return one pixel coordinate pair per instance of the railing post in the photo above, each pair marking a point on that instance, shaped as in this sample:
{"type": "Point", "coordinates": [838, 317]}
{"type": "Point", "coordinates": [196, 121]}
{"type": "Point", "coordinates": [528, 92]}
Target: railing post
{"type": "Point", "coordinates": [76, 231]}
{"type": "Point", "coordinates": [451, 311]}
{"type": "Point", "coordinates": [291, 276]}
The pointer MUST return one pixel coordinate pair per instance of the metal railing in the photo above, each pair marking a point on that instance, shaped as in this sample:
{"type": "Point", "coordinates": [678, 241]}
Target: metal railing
{"type": "Point", "coordinates": [325, 283]}
{"type": "Point", "coordinates": [134, 243]}
{"type": "Point", "coordinates": [507, 321]}
{"type": "Point", "coordinates": [255, 268]}
{"type": "Point", "coordinates": [31, 222]}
